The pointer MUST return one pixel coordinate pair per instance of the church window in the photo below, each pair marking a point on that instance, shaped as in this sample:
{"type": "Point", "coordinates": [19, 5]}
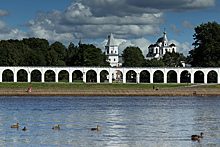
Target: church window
{"type": "Point", "coordinates": [114, 59]}
{"type": "Point", "coordinates": [111, 51]}
{"type": "Point", "coordinates": [156, 51]}
{"type": "Point", "coordinates": [173, 50]}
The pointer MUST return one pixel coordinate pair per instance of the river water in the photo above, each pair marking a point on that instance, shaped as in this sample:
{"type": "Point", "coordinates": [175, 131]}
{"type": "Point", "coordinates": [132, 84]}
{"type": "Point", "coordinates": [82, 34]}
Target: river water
{"type": "Point", "coordinates": [124, 121]}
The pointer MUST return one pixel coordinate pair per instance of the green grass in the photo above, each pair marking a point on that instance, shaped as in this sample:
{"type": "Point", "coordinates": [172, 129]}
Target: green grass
{"type": "Point", "coordinates": [53, 85]}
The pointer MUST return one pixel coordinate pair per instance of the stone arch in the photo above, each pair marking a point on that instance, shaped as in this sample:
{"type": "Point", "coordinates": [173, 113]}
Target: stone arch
{"type": "Point", "coordinates": [131, 76]}
{"type": "Point", "coordinates": [212, 77]}
{"type": "Point", "coordinates": [7, 76]}
{"type": "Point", "coordinates": [104, 76]}
{"type": "Point", "coordinates": [22, 75]}
{"type": "Point", "coordinates": [199, 77]}
{"type": "Point", "coordinates": [144, 76]}
{"type": "Point", "coordinates": [117, 76]}
{"type": "Point", "coordinates": [158, 76]}
{"type": "Point", "coordinates": [63, 76]}
{"type": "Point", "coordinates": [185, 77]}
{"type": "Point", "coordinates": [36, 76]}
{"type": "Point", "coordinates": [77, 76]}
{"type": "Point", "coordinates": [172, 76]}
{"type": "Point", "coordinates": [91, 76]}
{"type": "Point", "coordinates": [49, 76]}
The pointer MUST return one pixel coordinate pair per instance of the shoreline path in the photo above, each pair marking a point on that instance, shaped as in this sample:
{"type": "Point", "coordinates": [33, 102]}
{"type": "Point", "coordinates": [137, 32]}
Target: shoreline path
{"type": "Point", "coordinates": [184, 91]}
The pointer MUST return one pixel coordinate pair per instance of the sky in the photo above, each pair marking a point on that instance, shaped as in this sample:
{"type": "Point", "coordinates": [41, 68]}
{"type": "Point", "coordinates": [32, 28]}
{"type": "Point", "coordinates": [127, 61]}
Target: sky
{"type": "Point", "coordinates": [132, 22]}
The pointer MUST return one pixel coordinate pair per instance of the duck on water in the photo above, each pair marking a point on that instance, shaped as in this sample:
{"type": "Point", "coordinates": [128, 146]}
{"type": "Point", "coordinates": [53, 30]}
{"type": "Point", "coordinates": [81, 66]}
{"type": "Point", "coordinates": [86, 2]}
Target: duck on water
{"type": "Point", "coordinates": [196, 137]}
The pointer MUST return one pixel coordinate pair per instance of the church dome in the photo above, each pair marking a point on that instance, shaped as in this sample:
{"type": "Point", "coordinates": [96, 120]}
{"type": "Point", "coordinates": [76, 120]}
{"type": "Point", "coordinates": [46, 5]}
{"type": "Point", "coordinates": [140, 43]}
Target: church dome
{"type": "Point", "coordinates": [172, 45]}
{"type": "Point", "coordinates": [153, 45]}
{"type": "Point", "coordinates": [160, 39]}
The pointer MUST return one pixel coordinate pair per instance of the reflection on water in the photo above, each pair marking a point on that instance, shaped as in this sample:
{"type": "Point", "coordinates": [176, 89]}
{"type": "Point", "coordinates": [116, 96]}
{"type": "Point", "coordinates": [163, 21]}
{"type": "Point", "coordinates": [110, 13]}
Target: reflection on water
{"type": "Point", "coordinates": [124, 121]}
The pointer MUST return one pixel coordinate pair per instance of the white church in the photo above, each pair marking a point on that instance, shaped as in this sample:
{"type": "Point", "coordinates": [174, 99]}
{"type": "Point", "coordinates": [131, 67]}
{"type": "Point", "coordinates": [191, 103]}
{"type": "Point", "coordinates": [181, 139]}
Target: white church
{"type": "Point", "coordinates": [158, 49]}
{"type": "Point", "coordinates": [111, 50]}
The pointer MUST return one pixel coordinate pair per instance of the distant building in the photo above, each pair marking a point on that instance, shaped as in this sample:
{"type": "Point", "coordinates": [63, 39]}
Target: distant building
{"type": "Point", "coordinates": [160, 48]}
{"type": "Point", "coordinates": [111, 50]}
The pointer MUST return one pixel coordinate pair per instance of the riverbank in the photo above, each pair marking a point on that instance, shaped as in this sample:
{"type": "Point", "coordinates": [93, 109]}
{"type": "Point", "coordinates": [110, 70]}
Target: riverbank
{"type": "Point", "coordinates": [112, 92]}
{"type": "Point", "coordinates": [68, 89]}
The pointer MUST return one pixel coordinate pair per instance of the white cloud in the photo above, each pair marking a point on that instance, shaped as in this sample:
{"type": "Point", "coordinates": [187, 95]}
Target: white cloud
{"type": "Point", "coordinates": [93, 19]}
{"type": "Point", "coordinates": [182, 47]}
{"type": "Point", "coordinates": [4, 13]}
{"type": "Point", "coordinates": [142, 43]}
{"type": "Point", "coordinates": [188, 24]}
{"type": "Point", "coordinates": [175, 30]}
{"type": "Point", "coordinates": [78, 21]}
{"type": "Point", "coordinates": [8, 32]}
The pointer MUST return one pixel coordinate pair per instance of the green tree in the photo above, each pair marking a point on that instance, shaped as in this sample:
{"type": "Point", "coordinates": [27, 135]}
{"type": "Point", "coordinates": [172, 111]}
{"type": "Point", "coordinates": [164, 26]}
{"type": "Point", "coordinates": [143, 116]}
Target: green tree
{"type": "Point", "coordinates": [39, 45]}
{"type": "Point", "coordinates": [71, 54]}
{"type": "Point", "coordinates": [154, 63]}
{"type": "Point", "coordinates": [173, 59]}
{"type": "Point", "coordinates": [85, 55]}
{"type": "Point", "coordinates": [206, 52]}
{"type": "Point", "coordinates": [133, 57]}
{"type": "Point", "coordinates": [60, 49]}
{"type": "Point", "coordinates": [11, 52]}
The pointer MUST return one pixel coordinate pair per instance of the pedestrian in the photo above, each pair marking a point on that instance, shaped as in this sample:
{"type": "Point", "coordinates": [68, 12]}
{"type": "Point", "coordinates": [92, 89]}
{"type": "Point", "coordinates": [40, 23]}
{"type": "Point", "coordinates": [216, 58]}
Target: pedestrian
{"type": "Point", "coordinates": [153, 86]}
{"type": "Point", "coordinates": [157, 88]}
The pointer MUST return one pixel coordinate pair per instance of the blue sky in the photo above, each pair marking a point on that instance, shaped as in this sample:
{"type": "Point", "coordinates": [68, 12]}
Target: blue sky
{"type": "Point", "coordinates": [133, 23]}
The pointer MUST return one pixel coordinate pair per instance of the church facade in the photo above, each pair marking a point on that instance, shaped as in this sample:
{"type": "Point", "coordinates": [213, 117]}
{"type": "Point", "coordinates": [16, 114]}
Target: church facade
{"type": "Point", "coordinates": [158, 49]}
{"type": "Point", "coordinates": [111, 50]}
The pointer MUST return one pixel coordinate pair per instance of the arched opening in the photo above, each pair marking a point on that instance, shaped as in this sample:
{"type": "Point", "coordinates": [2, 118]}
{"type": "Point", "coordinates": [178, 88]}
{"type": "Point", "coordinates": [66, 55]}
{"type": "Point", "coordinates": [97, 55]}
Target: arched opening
{"type": "Point", "coordinates": [131, 76]}
{"type": "Point", "coordinates": [104, 76]}
{"type": "Point", "coordinates": [49, 76]}
{"type": "Point", "coordinates": [77, 76]}
{"type": "Point", "coordinates": [172, 77]}
{"type": "Point", "coordinates": [91, 76]}
{"type": "Point", "coordinates": [22, 75]}
{"type": "Point", "coordinates": [7, 76]}
{"type": "Point", "coordinates": [63, 76]}
{"type": "Point", "coordinates": [199, 77]}
{"type": "Point", "coordinates": [117, 77]}
{"type": "Point", "coordinates": [35, 76]}
{"type": "Point", "coordinates": [185, 77]}
{"type": "Point", "coordinates": [212, 77]}
{"type": "Point", "coordinates": [158, 77]}
{"type": "Point", "coordinates": [145, 76]}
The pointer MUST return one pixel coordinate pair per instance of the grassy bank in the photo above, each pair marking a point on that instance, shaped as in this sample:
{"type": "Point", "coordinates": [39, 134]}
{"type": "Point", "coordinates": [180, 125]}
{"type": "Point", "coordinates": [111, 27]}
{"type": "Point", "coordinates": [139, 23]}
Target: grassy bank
{"type": "Point", "coordinates": [86, 86]}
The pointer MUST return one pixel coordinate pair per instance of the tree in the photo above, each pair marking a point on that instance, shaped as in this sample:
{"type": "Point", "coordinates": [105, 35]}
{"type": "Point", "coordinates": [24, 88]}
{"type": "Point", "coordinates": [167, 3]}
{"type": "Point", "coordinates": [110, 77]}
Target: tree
{"type": "Point", "coordinates": [133, 57]}
{"type": "Point", "coordinates": [86, 55]}
{"type": "Point", "coordinates": [206, 52]}
{"type": "Point", "coordinates": [70, 56]}
{"type": "Point", "coordinates": [60, 49]}
{"type": "Point", "coordinates": [173, 59]}
{"type": "Point", "coordinates": [154, 63]}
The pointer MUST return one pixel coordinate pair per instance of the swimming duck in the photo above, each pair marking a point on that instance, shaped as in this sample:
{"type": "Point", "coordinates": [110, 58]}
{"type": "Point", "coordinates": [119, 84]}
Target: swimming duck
{"type": "Point", "coordinates": [58, 127]}
{"type": "Point", "coordinates": [92, 129]}
{"type": "Point", "coordinates": [193, 136]}
{"type": "Point", "coordinates": [24, 129]}
{"type": "Point", "coordinates": [15, 126]}
{"type": "Point", "coordinates": [196, 137]}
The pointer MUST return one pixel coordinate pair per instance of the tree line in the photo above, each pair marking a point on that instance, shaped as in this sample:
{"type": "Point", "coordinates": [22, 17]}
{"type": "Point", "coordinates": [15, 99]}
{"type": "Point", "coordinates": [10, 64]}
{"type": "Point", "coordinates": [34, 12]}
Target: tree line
{"type": "Point", "coordinates": [38, 52]}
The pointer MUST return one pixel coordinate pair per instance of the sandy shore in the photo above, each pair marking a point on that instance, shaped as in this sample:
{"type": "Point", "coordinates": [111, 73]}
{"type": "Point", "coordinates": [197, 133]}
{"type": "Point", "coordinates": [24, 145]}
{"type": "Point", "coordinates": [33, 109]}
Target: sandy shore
{"type": "Point", "coordinates": [112, 92]}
